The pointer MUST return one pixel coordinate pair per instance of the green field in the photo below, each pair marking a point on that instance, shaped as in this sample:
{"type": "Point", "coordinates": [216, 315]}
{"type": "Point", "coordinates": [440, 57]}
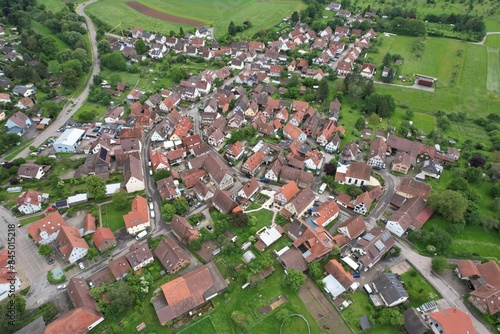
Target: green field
{"type": "Point", "coordinates": [55, 5]}
{"type": "Point", "coordinates": [493, 41]}
{"type": "Point", "coordinates": [100, 110]}
{"type": "Point", "coordinates": [262, 14]}
{"type": "Point", "coordinates": [491, 17]}
{"type": "Point", "coordinates": [44, 31]}
{"type": "Point", "coordinates": [493, 79]}
{"type": "Point", "coordinates": [204, 325]}
{"type": "Point", "coordinates": [469, 92]}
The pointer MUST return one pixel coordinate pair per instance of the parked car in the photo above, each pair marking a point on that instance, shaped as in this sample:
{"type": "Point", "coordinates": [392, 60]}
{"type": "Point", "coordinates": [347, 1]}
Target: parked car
{"type": "Point", "coordinates": [61, 287]}
{"type": "Point", "coordinates": [80, 264]}
{"type": "Point", "coordinates": [198, 205]}
{"type": "Point", "coordinates": [264, 180]}
{"type": "Point", "coordinates": [356, 275]}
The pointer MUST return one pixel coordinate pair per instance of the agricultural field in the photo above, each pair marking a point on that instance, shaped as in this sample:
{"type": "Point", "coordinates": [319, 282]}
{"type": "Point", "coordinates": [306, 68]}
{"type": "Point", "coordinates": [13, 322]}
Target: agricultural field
{"type": "Point", "coordinates": [471, 90]}
{"type": "Point", "coordinates": [493, 41]}
{"type": "Point", "coordinates": [218, 14]}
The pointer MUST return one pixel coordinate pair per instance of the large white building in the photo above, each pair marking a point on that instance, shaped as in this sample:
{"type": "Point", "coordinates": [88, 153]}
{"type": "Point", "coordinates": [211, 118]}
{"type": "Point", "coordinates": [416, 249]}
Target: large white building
{"type": "Point", "coordinates": [69, 140]}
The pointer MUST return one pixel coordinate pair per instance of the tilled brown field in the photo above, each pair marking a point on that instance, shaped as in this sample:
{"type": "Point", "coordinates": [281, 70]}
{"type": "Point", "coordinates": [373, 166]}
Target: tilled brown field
{"type": "Point", "coordinates": [161, 16]}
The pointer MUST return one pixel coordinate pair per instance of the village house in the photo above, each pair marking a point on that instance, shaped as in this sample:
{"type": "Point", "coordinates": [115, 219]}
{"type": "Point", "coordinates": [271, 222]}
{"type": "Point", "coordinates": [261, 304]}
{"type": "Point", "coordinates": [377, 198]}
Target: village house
{"type": "Point", "coordinates": [372, 246]}
{"type": "Point", "coordinates": [338, 280]}
{"type": "Point", "coordinates": [325, 213]}
{"type": "Point", "coordinates": [71, 245]}
{"type": "Point", "coordinates": [355, 173]}
{"type": "Point", "coordinates": [18, 123]}
{"type": "Point", "coordinates": [253, 162]}
{"type": "Point", "coordinates": [285, 194]}
{"type": "Point", "coordinates": [188, 292]}
{"type": "Point", "coordinates": [352, 227]}
{"type": "Point", "coordinates": [171, 255]}
{"type": "Point", "coordinates": [248, 189]}
{"type": "Point", "coordinates": [413, 214]}
{"type": "Point", "coordinates": [133, 174]}
{"type": "Point", "coordinates": [376, 155]}
{"type": "Point", "coordinates": [31, 201]}
{"type": "Point", "coordinates": [390, 289]}
{"type": "Point", "coordinates": [182, 230]}
{"type": "Point", "coordinates": [46, 230]}
{"type": "Point", "coordinates": [485, 278]}
{"type": "Point", "coordinates": [103, 238]}
{"type": "Point", "coordinates": [139, 256]}
{"type": "Point", "coordinates": [137, 219]}
{"type": "Point", "coordinates": [224, 203]}
{"type": "Point", "coordinates": [301, 202]}
{"type": "Point", "coordinates": [450, 321]}
{"type": "Point", "coordinates": [235, 151]}
{"type": "Point", "coordinates": [312, 242]}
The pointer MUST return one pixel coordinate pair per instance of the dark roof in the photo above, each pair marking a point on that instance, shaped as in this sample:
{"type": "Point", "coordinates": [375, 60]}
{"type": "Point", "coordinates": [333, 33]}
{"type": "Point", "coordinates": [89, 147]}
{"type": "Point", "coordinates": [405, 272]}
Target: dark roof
{"type": "Point", "coordinates": [364, 322]}
{"type": "Point", "coordinates": [169, 253]}
{"type": "Point", "coordinates": [37, 326]}
{"type": "Point", "coordinates": [390, 287]}
{"type": "Point", "coordinates": [293, 258]}
{"type": "Point", "coordinates": [414, 322]}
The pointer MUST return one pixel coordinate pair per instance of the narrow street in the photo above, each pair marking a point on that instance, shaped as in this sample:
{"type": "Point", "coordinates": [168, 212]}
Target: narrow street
{"type": "Point", "coordinates": [72, 105]}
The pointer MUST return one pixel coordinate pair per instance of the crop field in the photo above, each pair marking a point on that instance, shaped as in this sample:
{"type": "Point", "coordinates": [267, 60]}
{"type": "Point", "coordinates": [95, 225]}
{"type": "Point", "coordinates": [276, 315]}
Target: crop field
{"type": "Point", "coordinates": [262, 14]}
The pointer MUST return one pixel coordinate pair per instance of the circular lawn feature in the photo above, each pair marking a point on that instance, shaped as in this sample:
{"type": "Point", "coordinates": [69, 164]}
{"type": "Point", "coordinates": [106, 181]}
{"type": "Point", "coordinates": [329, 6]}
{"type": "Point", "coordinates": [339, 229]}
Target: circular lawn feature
{"type": "Point", "coordinates": [296, 324]}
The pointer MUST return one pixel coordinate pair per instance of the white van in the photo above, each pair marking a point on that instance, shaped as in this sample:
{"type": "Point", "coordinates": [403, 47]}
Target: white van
{"type": "Point", "coordinates": [152, 213]}
{"type": "Point", "coordinates": [322, 188]}
{"type": "Point", "coordinates": [141, 235]}
{"type": "Point", "coordinates": [368, 289]}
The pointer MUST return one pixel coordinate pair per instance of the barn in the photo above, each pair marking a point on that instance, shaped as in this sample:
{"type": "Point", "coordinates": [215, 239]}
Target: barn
{"type": "Point", "coordinates": [424, 80]}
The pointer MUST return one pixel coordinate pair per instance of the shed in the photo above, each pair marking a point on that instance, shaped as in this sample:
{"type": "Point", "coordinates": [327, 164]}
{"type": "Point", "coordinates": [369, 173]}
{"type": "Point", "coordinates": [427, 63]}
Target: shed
{"type": "Point", "coordinates": [248, 256]}
{"type": "Point", "coordinates": [364, 322]}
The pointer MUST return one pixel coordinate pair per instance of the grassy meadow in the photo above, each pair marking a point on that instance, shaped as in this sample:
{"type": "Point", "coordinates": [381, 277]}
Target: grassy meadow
{"type": "Point", "coordinates": [491, 17]}
{"type": "Point", "coordinates": [262, 14]}
{"type": "Point", "coordinates": [493, 41]}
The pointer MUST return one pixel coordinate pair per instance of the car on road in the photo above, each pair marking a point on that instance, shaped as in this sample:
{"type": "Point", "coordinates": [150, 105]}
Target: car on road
{"type": "Point", "coordinates": [80, 264]}
{"type": "Point", "coordinates": [356, 275]}
{"type": "Point", "coordinates": [61, 287]}
{"type": "Point", "coordinates": [264, 180]}
{"type": "Point", "coordinates": [150, 199]}
{"type": "Point", "coordinates": [50, 261]}
{"type": "Point", "coordinates": [198, 205]}
{"type": "Point", "coordinates": [151, 207]}
{"type": "Point", "coordinates": [210, 228]}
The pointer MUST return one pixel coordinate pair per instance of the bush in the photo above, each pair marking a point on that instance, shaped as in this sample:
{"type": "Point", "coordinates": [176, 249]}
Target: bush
{"type": "Point", "coordinates": [439, 263]}
{"type": "Point", "coordinates": [52, 280]}
{"type": "Point", "coordinates": [25, 291]}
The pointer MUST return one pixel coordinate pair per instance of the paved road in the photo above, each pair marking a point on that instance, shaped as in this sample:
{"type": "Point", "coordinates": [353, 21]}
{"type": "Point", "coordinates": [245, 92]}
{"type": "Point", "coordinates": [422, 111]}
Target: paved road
{"type": "Point", "coordinates": [423, 265]}
{"type": "Point", "coordinates": [486, 36]}
{"type": "Point", "coordinates": [72, 105]}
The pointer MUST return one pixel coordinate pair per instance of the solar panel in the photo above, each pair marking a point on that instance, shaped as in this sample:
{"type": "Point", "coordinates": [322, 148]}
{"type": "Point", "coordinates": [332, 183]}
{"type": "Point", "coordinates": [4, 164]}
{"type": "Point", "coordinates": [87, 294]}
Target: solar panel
{"type": "Point", "coordinates": [380, 245]}
{"type": "Point", "coordinates": [368, 236]}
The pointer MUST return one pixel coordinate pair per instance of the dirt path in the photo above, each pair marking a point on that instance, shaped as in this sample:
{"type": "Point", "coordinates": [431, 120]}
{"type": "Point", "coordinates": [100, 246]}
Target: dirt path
{"type": "Point", "coordinates": [321, 309]}
{"type": "Point", "coordinates": [486, 36]}
{"type": "Point", "coordinates": [162, 16]}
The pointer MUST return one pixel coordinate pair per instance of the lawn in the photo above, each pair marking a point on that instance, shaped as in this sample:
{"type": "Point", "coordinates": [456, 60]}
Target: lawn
{"type": "Point", "coordinates": [362, 305]}
{"type": "Point", "coordinates": [249, 300]}
{"type": "Point", "coordinates": [112, 217]}
{"type": "Point", "coordinates": [56, 5]}
{"type": "Point", "coordinates": [262, 14]}
{"type": "Point", "coordinates": [100, 110]}
{"type": "Point", "coordinates": [493, 78]}
{"type": "Point", "coordinates": [419, 290]}
{"type": "Point", "coordinates": [30, 220]}
{"type": "Point", "coordinates": [203, 325]}
{"type": "Point", "coordinates": [493, 41]}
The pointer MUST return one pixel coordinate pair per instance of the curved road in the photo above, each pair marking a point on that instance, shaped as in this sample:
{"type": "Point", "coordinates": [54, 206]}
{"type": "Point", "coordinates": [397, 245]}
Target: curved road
{"type": "Point", "coordinates": [423, 263]}
{"type": "Point", "coordinates": [72, 104]}
{"type": "Point", "coordinates": [486, 36]}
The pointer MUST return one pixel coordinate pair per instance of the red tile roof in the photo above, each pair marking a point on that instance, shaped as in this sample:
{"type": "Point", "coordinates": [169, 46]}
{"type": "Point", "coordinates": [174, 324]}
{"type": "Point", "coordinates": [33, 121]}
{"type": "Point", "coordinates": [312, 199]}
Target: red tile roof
{"type": "Point", "coordinates": [334, 268]}
{"type": "Point", "coordinates": [102, 234]}
{"type": "Point", "coordinates": [139, 214]}
{"type": "Point", "coordinates": [453, 321]}
{"type": "Point", "coordinates": [50, 223]}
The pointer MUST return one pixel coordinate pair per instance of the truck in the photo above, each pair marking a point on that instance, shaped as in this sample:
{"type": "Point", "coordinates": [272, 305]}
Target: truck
{"type": "Point", "coordinates": [141, 235]}
{"type": "Point", "coordinates": [322, 188]}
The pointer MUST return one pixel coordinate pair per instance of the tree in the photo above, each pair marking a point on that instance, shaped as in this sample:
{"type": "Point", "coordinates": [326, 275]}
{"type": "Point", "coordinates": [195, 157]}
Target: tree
{"type": "Point", "coordinates": [439, 263]}
{"type": "Point", "coordinates": [391, 316]}
{"type": "Point", "coordinates": [473, 174]}
{"type": "Point", "coordinates": [231, 29]}
{"type": "Point", "coordinates": [477, 161]}
{"type": "Point", "coordinates": [335, 250]}
{"type": "Point", "coordinates": [168, 211]}
{"type": "Point", "coordinates": [103, 47]}
{"type": "Point", "coordinates": [69, 78]}
{"type": "Point", "coordinates": [360, 123]}
{"type": "Point", "coordinates": [96, 187]}
{"type": "Point", "coordinates": [330, 169]}
{"type": "Point", "coordinates": [114, 61]}
{"type": "Point", "coordinates": [382, 105]}
{"type": "Point", "coordinates": [121, 297]}
{"type": "Point", "coordinates": [295, 17]}
{"type": "Point", "coordinates": [45, 250]}
{"type": "Point", "coordinates": [120, 200]}
{"type": "Point", "coordinates": [294, 279]}
{"type": "Point", "coordinates": [495, 190]}
{"type": "Point", "coordinates": [315, 270]}
{"type": "Point", "coordinates": [239, 218]}
{"type": "Point", "coordinates": [452, 205]}
{"type": "Point", "coordinates": [92, 253]}
{"type": "Point", "coordinates": [180, 205]}
{"type": "Point", "coordinates": [140, 46]}
{"type": "Point", "coordinates": [323, 90]}
{"type": "Point", "coordinates": [161, 174]}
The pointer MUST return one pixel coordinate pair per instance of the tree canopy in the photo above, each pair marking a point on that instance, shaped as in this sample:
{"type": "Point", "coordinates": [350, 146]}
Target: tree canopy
{"type": "Point", "coordinates": [452, 205]}
{"type": "Point", "coordinates": [96, 187]}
